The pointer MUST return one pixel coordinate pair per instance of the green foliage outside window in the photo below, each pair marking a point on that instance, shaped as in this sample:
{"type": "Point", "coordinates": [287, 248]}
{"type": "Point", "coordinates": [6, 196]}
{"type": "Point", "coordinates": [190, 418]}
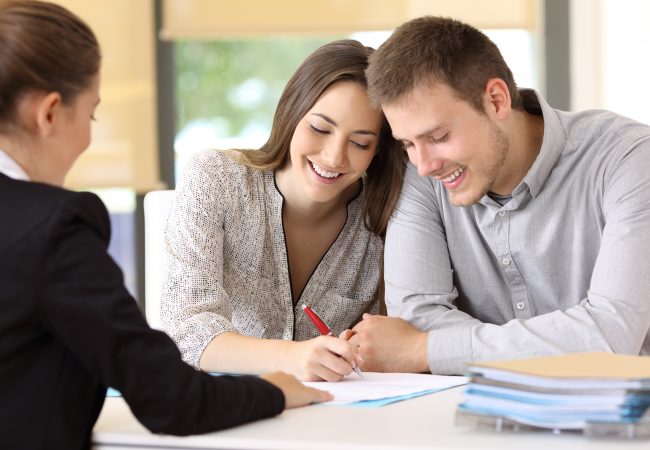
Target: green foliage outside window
{"type": "Point", "coordinates": [233, 86]}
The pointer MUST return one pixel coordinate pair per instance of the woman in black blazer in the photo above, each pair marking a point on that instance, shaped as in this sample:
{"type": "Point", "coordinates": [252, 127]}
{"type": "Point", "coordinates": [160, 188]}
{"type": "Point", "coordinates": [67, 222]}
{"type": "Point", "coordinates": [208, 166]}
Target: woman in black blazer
{"type": "Point", "coordinates": [68, 327]}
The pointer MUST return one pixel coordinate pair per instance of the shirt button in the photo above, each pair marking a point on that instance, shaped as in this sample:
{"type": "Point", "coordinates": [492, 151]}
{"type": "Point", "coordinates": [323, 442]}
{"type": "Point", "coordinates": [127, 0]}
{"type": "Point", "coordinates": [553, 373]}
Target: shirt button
{"type": "Point", "coordinates": [502, 213]}
{"type": "Point", "coordinates": [506, 261]}
{"type": "Point", "coordinates": [521, 305]}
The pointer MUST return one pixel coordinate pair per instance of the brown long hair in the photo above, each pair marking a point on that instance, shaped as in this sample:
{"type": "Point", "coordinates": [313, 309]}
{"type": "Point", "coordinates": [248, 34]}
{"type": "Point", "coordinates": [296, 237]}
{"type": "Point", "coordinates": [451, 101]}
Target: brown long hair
{"type": "Point", "coordinates": [343, 60]}
{"type": "Point", "coordinates": [438, 49]}
{"type": "Point", "coordinates": [43, 47]}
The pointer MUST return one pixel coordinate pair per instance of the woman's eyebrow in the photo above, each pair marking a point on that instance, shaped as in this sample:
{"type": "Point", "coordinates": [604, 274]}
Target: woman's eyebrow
{"type": "Point", "coordinates": [333, 122]}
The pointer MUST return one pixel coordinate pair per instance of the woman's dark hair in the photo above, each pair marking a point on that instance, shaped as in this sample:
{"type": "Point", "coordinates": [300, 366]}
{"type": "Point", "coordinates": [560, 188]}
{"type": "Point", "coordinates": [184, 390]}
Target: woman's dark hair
{"type": "Point", "coordinates": [43, 47]}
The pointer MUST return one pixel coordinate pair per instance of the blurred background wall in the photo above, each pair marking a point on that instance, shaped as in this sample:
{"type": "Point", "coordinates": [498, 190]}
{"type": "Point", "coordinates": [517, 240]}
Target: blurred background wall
{"type": "Point", "coordinates": [182, 75]}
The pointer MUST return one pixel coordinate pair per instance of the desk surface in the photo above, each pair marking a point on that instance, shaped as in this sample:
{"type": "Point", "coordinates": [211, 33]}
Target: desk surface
{"type": "Point", "coordinates": [424, 422]}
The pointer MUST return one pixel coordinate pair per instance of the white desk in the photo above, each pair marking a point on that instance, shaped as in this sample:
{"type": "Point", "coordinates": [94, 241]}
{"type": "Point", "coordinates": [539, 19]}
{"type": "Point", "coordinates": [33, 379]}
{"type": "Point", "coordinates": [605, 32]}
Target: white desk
{"type": "Point", "coordinates": [424, 422]}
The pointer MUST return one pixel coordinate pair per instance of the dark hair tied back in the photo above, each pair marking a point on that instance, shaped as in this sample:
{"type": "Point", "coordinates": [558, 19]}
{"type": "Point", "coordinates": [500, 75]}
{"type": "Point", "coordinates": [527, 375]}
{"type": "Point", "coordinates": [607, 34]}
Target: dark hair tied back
{"type": "Point", "coordinates": [43, 47]}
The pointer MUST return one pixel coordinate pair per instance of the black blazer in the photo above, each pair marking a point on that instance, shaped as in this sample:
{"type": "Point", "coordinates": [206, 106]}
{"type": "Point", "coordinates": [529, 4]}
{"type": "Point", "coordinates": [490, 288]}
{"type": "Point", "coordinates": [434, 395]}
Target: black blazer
{"type": "Point", "coordinates": [69, 329]}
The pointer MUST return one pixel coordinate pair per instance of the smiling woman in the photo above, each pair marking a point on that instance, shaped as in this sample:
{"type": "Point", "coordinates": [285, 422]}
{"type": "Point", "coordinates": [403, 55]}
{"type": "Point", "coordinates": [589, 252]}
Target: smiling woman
{"type": "Point", "coordinates": [254, 234]}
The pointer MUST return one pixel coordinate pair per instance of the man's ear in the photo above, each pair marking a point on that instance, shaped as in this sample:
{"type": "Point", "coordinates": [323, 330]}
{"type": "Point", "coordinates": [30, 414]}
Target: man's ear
{"type": "Point", "coordinates": [497, 98]}
{"type": "Point", "coordinates": [48, 111]}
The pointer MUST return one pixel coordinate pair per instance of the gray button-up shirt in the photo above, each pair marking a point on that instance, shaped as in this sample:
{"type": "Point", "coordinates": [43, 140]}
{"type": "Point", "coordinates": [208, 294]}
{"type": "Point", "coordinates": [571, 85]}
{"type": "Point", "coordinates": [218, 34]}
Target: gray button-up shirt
{"type": "Point", "coordinates": [227, 265]}
{"type": "Point", "coordinates": [564, 266]}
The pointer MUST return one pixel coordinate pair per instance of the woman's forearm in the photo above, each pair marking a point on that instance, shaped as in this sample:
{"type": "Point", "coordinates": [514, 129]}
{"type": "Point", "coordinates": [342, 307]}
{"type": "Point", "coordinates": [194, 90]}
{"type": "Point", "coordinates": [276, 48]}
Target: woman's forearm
{"type": "Point", "coordinates": [235, 353]}
{"type": "Point", "coordinates": [322, 358]}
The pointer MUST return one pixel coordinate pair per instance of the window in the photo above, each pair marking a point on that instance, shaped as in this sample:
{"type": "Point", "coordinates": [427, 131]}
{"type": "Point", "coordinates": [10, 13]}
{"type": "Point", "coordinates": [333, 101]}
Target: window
{"type": "Point", "coordinates": [625, 67]}
{"type": "Point", "coordinates": [227, 90]}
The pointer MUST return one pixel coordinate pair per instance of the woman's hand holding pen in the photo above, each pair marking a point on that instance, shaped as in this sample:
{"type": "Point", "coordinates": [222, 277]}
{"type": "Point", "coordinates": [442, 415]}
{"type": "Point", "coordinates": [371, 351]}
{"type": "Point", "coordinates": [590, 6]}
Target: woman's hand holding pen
{"type": "Point", "coordinates": [325, 358]}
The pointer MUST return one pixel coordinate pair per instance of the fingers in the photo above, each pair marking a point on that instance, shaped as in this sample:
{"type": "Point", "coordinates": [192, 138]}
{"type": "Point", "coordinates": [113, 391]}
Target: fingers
{"type": "Point", "coordinates": [361, 363]}
{"type": "Point", "coordinates": [334, 368]}
{"type": "Point", "coordinates": [341, 347]}
{"type": "Point", "coordinates": [295, 393]}
{"type": "Point", "coordinates": [367, 337]}
{"type": "Point", "coordinates": [367, 321]}
{"type": "Point", "coordinates": [346, 334]}
{"type": "Point", "coordinates": [320, 372]}
{"type": "Point", "coordinates": [318, 396]}
{"type": "Point", "coordinates": [326, 358]}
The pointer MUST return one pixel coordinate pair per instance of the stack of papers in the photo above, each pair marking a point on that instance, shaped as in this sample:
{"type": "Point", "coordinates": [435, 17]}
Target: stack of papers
{"type": "Point", "coordinates": [379, 389]}
{"type": "Point", "coordinates": [566, 392]}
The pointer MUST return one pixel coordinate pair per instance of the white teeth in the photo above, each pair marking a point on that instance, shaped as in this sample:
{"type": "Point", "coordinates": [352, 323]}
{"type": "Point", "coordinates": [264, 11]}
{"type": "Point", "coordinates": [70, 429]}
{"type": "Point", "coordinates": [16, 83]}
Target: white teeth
{"type": "Point", "coordinates": [454, 175]}
{"type": "Point", "coordinates": [322, 172]}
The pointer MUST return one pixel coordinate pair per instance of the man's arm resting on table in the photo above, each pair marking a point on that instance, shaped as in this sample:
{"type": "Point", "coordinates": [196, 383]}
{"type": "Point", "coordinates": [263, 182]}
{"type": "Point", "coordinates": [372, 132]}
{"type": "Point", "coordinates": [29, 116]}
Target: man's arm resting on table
{"type": "Point", "coordinates": [614, 315]}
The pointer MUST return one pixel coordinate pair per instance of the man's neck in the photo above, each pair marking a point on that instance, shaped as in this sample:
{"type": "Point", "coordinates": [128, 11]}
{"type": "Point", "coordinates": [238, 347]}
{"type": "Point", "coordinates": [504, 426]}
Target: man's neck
{"type": "Point", "coordinates": [525, 133]}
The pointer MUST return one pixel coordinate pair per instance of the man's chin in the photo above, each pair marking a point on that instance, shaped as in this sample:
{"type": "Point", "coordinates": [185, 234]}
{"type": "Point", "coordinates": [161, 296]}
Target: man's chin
{"type": "Point", "coordinates": [464, 198]}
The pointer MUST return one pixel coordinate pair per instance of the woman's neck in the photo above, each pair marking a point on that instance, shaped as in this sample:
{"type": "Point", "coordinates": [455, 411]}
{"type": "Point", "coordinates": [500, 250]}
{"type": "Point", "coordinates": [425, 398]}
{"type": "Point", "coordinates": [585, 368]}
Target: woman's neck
{"type": "Point", "coordinates": [299, 208]}
{"type": "Point", "coordinates": [25, 154]}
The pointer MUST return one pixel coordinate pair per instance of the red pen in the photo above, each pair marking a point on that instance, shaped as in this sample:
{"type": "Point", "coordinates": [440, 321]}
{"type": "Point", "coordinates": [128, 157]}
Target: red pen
{"type": "Point", "coordinates": [323, 328]}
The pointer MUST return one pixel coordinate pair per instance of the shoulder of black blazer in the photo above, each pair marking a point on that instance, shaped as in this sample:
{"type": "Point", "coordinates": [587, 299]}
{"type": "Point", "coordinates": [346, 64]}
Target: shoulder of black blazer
{"type": "Point", "coordinates": [26, 205]}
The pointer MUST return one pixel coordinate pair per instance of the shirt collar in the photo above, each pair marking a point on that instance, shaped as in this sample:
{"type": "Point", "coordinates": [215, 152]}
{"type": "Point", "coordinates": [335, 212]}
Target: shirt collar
{"type": "Point", "coordinates": [553, 142]}
{"type": "Point", "coordinates": [11, 168]}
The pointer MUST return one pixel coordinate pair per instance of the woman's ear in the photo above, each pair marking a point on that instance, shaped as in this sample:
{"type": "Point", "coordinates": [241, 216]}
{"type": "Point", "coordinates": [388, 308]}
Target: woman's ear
{"type": "Point", "coordinates": [48, 108]}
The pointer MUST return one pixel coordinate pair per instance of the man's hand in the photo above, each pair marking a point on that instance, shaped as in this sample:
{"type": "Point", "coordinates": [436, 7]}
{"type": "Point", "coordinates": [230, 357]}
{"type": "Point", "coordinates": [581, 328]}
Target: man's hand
{"type": "Point", "coordinates": [388, 344]}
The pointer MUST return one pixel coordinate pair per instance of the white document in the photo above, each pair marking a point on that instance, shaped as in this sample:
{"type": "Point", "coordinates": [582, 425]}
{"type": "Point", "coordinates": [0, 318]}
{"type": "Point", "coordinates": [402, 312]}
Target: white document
{"type": "Point", "coordinates": [383, 388]}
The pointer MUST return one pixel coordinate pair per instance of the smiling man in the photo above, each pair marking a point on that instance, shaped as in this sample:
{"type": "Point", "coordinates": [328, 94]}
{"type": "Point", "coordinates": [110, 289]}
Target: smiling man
{"type": "Point", "coordinates": [521, 230]}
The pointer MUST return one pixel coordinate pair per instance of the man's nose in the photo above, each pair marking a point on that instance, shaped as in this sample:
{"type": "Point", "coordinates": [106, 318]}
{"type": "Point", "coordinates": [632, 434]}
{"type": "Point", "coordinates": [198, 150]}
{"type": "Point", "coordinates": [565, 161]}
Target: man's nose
{"type": "Point", "coordinates": [425, 160]}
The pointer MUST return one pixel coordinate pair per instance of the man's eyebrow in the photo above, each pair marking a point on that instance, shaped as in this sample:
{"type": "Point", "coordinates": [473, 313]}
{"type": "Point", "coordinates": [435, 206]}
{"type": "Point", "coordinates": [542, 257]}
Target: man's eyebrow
{"type": "Point", "coordinates": [333, 122]}
{"type": "Point", "coordinates": [422, 134]}
{"type": "Point", "coordinates": [429, 131]}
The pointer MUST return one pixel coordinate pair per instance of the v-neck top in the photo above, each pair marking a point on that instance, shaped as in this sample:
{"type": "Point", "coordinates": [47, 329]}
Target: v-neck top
{"type": "Point", "coordinates": [227, 265]}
